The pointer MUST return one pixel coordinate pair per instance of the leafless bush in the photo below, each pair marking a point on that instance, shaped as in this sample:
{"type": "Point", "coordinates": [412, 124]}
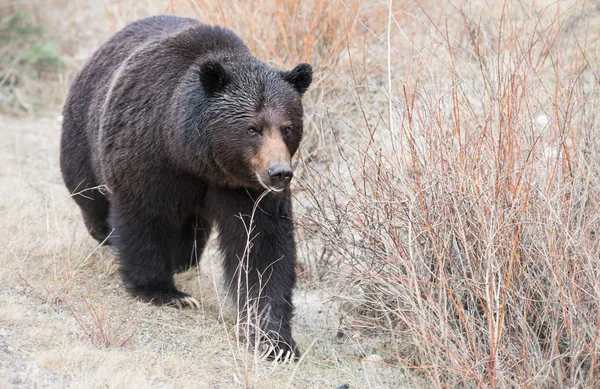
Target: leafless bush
{"type": "Point", "coordinates": [467, 214]}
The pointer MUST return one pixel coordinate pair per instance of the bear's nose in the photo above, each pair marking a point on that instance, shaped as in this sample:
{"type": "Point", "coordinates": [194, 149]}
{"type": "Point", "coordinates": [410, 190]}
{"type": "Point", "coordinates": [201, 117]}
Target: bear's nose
{"type": "Point", "coordinates": [280, 175]}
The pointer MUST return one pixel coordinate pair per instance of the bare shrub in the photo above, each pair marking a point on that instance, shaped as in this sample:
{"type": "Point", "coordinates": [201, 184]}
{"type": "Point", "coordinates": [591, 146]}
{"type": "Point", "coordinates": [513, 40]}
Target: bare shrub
{"type": "Point", "coordinates": [467, 213]}
{"type": "Point", "coordinates": [99, 324]}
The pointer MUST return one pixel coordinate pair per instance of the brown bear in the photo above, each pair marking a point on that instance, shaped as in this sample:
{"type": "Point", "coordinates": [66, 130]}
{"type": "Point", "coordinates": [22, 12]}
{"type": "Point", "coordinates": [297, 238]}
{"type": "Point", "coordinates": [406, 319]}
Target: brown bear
{"type": "Point", "coordinates": [173, 127]}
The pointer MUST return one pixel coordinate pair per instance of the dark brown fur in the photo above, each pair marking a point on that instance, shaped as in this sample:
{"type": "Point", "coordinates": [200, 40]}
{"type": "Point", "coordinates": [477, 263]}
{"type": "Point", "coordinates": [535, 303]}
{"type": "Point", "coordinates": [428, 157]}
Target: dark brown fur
{"type": "Point", "coordinates": [164, 116]}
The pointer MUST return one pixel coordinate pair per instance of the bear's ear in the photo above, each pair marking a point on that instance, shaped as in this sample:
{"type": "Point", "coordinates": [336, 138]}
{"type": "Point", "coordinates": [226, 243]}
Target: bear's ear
{"type": "Point", "coordinates": [300, 77]}
{"type": "Point", "coordinates": [213, 77]}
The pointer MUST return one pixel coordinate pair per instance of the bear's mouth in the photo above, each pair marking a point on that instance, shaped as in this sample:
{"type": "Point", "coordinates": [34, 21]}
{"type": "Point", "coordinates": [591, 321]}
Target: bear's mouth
{"type": "Point", "coordinates": [276, 189]}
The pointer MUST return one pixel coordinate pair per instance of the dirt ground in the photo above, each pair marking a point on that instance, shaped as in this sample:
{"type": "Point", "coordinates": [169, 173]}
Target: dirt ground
{"type": "Point", "coordinates": [65, 320]}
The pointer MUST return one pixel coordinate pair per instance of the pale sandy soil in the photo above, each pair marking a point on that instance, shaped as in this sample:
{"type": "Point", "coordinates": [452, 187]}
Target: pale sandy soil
{"type": "Point", "coordinates": [64, 314]}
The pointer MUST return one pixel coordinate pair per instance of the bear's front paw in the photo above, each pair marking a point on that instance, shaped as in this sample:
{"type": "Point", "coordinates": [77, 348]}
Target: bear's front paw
{"type": "Point", "coordinates": [183, 302]}
{"type": "Point", "coordinates": [279, 351]}
{"type": "Point", "coordinates": [175, 299]}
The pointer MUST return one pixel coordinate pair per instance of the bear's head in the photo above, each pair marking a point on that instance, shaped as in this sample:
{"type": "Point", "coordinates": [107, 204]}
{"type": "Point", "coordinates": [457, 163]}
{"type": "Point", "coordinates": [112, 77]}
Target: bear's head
{"type": "Point", "coordinates": [253, 118]}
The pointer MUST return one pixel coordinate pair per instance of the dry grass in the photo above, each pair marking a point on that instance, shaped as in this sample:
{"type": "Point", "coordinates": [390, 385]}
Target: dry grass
{"type": "Point", "coordinates": [447, 193]}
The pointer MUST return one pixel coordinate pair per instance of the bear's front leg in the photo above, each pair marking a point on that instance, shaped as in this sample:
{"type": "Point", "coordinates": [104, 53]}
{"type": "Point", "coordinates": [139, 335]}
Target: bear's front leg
{"type": "Point", "coordinates": [260, 257]}
{"type": "Point", "coordinates": [145, 243]}
{"type": "Point", "coordinates": [262, 284]}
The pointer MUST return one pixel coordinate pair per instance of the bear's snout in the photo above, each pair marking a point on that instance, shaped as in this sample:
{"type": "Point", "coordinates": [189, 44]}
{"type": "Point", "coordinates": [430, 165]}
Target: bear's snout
{"type": "Point", "coordinates": [280, 175]}
{"type": "Point", "coordinates": [272, 163]}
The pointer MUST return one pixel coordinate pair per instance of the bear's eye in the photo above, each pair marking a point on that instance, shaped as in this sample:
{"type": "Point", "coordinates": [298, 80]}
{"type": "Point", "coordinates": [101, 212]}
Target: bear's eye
{"type": "Point", "coordinates": [287, 130]}
{"type": "Point", "coordinates": [252, 130]}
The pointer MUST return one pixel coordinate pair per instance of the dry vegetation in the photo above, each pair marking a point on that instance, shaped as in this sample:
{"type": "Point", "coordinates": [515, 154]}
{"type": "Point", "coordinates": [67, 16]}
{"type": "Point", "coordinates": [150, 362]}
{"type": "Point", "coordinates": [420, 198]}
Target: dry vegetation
{"type": "Point", "coordinates": [447, 202]}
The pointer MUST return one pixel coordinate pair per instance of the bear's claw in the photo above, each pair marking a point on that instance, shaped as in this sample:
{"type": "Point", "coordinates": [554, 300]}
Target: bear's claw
{"type": "Point", "coordinates": [283, 357]}
{"type": "Point", "coordinates": [159, 298]}
{"type": "Point", "coordinates": [190, 302]}
{"type": "Point", "coordinates": [181, 302]}
{"type": "Point", "coordinates": [279, 353]}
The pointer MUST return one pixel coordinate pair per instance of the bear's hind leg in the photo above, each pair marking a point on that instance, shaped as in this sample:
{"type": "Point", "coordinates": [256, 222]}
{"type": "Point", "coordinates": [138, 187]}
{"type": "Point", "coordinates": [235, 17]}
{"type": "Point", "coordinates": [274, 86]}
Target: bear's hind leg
{"type": "Point", "coordinates": [194, 235]}
{"type": "Point", "coordinates": [79, 179]}
{"type": "Point", "coordinates": [145, 245]}
{"type": "Point", "coordinates": [95, 210]}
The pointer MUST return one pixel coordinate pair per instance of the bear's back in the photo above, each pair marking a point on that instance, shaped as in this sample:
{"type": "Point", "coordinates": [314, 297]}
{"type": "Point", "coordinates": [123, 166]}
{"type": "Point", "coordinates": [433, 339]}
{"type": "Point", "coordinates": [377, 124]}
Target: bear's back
{"type": "Point", "coordinates": [139, 62]}
{"type": "Point", "coordinates": [91, 84]}
{"type": "Point", "coordinates": [183, 41]}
